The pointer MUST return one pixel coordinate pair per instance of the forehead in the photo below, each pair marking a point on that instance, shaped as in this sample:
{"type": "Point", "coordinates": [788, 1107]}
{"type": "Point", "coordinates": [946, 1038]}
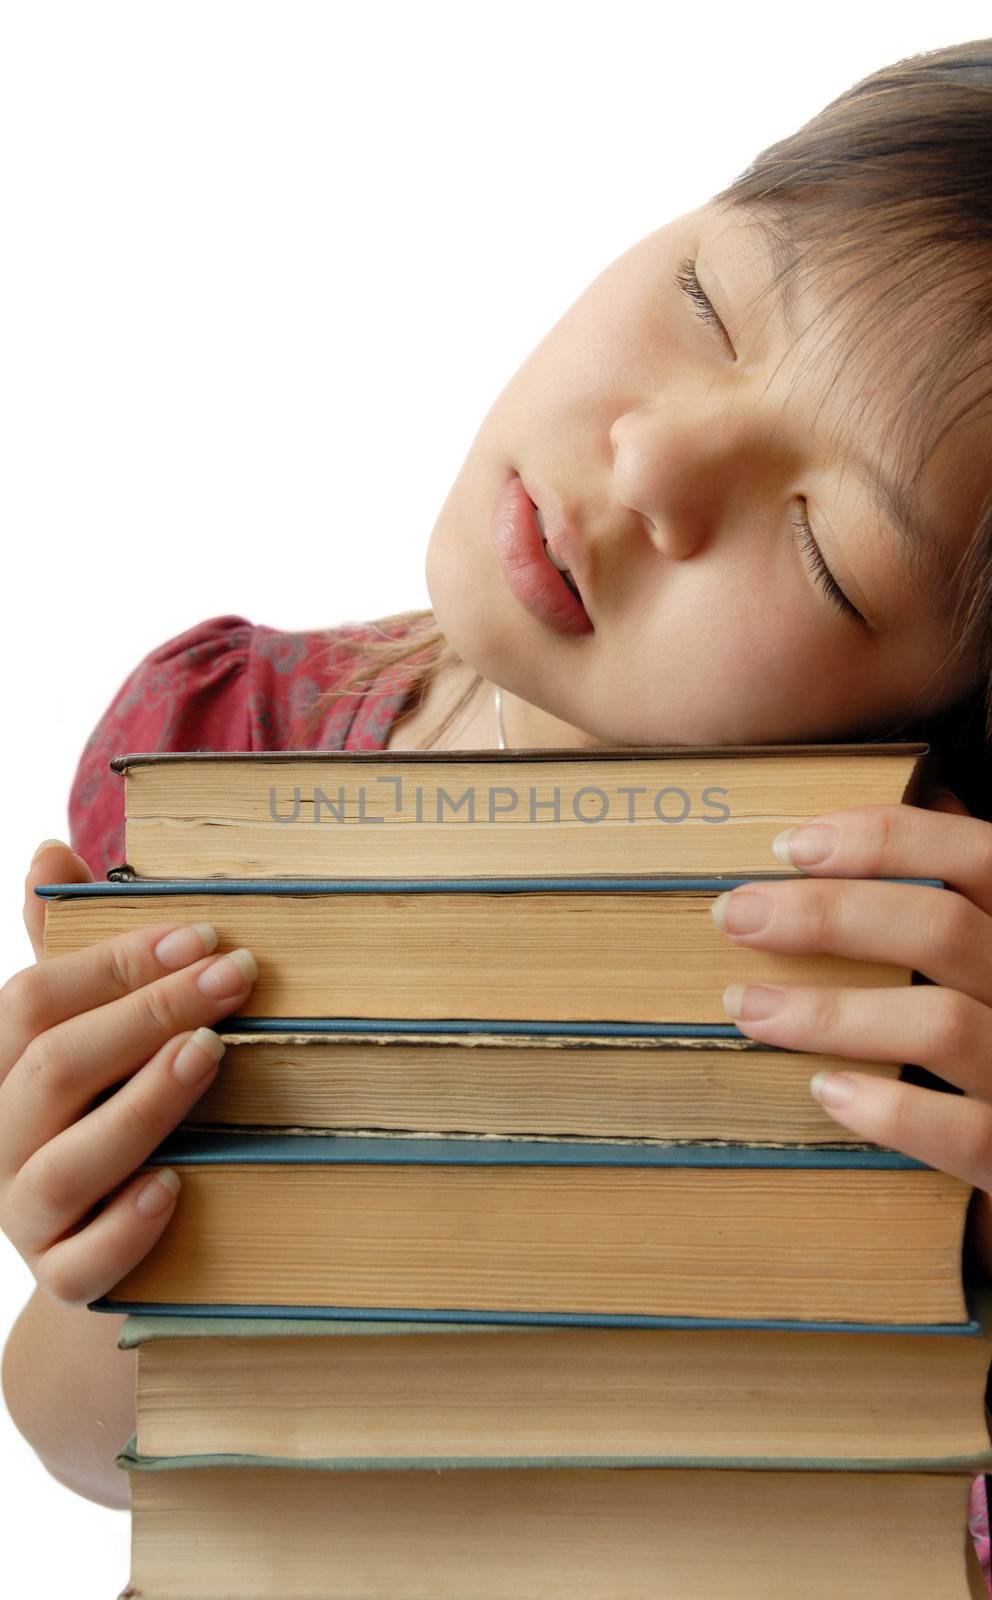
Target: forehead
{"type": "Point", "coordinates": [869, 350]}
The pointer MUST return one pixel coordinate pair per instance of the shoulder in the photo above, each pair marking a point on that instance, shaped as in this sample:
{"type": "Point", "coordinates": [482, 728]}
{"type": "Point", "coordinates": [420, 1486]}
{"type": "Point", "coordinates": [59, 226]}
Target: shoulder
{"type": "Point", "coordinates": [296, 693]}
{"type": "Point", "coordinates": [190, 686]}
{"type": "Point", "coordinates": [187, 693]}
{"type": "Point", "coordinates": [288, 675]}
{"type": "Point", "coordinates": [224, 684]}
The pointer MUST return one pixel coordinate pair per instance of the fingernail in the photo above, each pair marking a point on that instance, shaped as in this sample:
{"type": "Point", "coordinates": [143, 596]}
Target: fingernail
{"type": "Point", "coordinates": [198, 1056]}
{"type": "Point", "coordinates": [832, 1088]}
{"type": "Point", "coordinates": [741, 910]}
{"type": "Point", "coordinates": [228, 974]}
{"type": "Point", "coordinates": [157, 1195]}
{"type": "Point", "coordinates": [46, 844]}
{"type": "Point", "coordinates": [802, 846]}
{"type": "Point", "coordinates": [187, 944]}
{"type": "Point", "coordinates": [752, 1002]}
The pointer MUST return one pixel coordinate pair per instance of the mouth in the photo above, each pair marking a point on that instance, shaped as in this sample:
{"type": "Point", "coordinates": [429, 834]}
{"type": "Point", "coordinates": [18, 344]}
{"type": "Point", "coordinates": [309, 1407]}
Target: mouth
{"type": "Point", "coordinates": [538, 578]}
{"type": "Point", "coordinates": [556, 560]}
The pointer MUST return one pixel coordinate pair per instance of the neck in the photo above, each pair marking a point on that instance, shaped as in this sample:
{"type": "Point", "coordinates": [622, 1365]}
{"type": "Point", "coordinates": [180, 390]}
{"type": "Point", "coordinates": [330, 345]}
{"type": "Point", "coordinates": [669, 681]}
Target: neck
{"type": "Point", "coordinates": [474, 728]}
{"type": "Point", "coordinates": [530, 727]}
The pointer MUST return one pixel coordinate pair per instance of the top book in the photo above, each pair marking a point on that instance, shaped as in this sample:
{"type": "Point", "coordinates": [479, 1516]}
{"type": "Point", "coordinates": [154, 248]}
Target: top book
{"type": "Point", "coordinates": [671, 809]}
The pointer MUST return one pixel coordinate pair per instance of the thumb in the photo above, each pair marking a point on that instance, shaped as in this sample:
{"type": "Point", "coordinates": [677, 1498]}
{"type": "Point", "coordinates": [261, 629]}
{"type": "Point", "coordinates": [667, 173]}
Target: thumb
{"type": "Point", "coordinates": [52, 862]}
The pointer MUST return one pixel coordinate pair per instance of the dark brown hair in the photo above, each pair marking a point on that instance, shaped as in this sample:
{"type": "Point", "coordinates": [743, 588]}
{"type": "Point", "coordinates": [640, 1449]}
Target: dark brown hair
{"type": "Point", "coordinates": [886, 194]}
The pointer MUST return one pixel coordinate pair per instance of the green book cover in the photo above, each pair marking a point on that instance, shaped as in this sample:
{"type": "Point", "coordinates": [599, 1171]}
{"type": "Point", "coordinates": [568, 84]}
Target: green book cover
{"type": "Point", "coordinates": [130, 1460]}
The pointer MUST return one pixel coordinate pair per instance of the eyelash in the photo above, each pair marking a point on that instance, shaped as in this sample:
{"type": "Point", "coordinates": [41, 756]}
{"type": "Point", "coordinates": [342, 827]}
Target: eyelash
{"type": "Point", "coordinates": [821, 571]}
{"type": "Point", "coordinates": [686, 280]}
{"type": "Point", "coordinates": [690, 285]}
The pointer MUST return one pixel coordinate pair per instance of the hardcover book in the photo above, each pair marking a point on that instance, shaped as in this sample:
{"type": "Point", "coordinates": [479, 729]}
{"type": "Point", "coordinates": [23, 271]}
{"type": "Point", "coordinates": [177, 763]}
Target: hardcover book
{"type": "Point", "coordinates": [433, 813]}
{"type": "Point", "coordinates": [554, 1228]}
{"type": "Point", "coordinates": [633, 950]}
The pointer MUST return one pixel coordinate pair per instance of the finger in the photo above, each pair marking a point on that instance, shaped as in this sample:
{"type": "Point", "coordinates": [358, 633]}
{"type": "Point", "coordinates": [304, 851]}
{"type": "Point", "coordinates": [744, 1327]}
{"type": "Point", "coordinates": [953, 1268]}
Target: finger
{"type": "Point", "coordinates": [895, 842]}
{"type": "Point", "coordinates": [68, 1175]}
{"type": "Point", "coordinates": [58, 987]}
{"type": "Point", "coordinates": [52, 862]}
{"type": "Point", "coordinates": [89, 1263]}
{"type": "Point", "coordinates": [936, 932]}
{"type": "Point", "coordinates": [63, 1069]}
{"type": "Point", "coordinates": [950, 1132]}
{"type": "Point", "coordinates": [943, 1030]}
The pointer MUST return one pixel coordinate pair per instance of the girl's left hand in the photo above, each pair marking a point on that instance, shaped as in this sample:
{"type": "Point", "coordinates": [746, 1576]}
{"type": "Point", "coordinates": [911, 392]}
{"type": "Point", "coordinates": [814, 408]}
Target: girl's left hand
{"type": "Point", "coordinates": [945, 934]}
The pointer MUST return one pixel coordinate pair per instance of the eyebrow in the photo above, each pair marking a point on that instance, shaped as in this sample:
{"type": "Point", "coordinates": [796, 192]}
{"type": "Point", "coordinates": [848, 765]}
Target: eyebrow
{"type": "Point", "coordinates": [922, 541]}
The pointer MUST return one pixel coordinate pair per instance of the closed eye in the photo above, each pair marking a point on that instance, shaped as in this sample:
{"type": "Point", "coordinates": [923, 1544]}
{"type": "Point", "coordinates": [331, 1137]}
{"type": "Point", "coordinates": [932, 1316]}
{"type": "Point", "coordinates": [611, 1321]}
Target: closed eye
{"type": "Point", "coordinates": [687, 281]}
{"type": "Point", "coordinates": [822, 572]}
{"type": "Point", "coordinates": [690, 285]}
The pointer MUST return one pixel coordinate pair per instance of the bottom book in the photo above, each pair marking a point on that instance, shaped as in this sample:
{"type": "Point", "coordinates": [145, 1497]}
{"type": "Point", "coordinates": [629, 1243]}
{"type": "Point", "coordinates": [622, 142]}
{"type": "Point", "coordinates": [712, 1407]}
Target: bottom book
{"type": "Point", "coordinates": [301, 1532]}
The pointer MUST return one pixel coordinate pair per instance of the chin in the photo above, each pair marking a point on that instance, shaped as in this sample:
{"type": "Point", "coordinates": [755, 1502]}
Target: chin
{"type": "Point", "coordinates": [467, 611]}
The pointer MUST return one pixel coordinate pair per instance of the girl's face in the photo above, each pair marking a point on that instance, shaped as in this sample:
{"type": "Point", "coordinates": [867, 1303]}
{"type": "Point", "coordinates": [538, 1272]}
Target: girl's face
{"type": "Point", "coordinates": [681, 452]}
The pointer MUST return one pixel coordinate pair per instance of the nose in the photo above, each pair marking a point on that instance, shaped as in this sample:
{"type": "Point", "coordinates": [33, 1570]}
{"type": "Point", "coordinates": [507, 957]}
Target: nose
{"type": "Point", "coordinates": [676, 464]}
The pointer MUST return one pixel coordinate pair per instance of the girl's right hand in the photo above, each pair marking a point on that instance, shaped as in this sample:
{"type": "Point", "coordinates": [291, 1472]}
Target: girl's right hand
{"type": "Point", "coordinates": [133, 1011]}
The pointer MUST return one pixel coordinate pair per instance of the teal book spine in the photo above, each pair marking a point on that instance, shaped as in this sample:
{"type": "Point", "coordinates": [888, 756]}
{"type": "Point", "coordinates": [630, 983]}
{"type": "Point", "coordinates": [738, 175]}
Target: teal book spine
{"type": "Point", "coordinates": [208, 1147]}
{"type": "Point", "coordinates": [519, 1319]}
{"type": "Point", "coordinates": [661, 883]}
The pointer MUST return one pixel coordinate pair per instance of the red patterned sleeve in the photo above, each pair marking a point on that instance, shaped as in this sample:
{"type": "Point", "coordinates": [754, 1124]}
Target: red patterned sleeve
{"type": "Point", "coordinates": [191, 693]}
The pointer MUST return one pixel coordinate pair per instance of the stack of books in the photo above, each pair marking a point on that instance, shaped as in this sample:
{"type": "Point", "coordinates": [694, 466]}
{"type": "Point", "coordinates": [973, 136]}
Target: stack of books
{"type": "Point", "coordinates": [503, 1264]}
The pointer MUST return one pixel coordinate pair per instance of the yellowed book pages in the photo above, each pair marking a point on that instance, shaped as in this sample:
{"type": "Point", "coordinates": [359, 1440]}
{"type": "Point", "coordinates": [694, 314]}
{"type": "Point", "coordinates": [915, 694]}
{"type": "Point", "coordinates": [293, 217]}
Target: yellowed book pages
{"type": "Point", "coordinates": [450, 814]}
{"type": "Point", "coordinates": [702, 1393]}
{"type": "Point", "coordinates": [561, 956]}
{"type": "Point", "coordinates": [664, 1089]}
{"type": "Point", "coordinates": [550, 1535]}
{"type": "Point", "coordinates": [866, 1244]}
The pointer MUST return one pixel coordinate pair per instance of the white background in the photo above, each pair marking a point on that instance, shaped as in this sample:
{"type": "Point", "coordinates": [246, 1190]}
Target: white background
{"type": "Point", "coordinates": [264, 268]}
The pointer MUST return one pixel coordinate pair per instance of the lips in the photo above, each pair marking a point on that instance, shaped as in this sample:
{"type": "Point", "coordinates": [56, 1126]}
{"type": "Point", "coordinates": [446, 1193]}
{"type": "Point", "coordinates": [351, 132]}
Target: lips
{"type": "Point", "coordinates": [566, 575]}
{"type": "Point", "coordinates": [530, 575]}
{"type": "Point", "coordinates": [556, 561]}
{"type": "Point", "coordinates": [565, 547]}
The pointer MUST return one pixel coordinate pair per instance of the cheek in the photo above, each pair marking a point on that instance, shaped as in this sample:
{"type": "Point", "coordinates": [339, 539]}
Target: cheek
{"type": "Point", "coordinates": [611, 349]}
{"type": "Point", "coordinates": [724, 667]}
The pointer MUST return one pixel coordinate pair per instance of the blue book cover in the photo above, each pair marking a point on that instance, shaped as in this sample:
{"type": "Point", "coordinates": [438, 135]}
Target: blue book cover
{"type": "Point", "coordinates": [210, 1148]}
{"type": "Point", "coordinates": [659, 883]}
